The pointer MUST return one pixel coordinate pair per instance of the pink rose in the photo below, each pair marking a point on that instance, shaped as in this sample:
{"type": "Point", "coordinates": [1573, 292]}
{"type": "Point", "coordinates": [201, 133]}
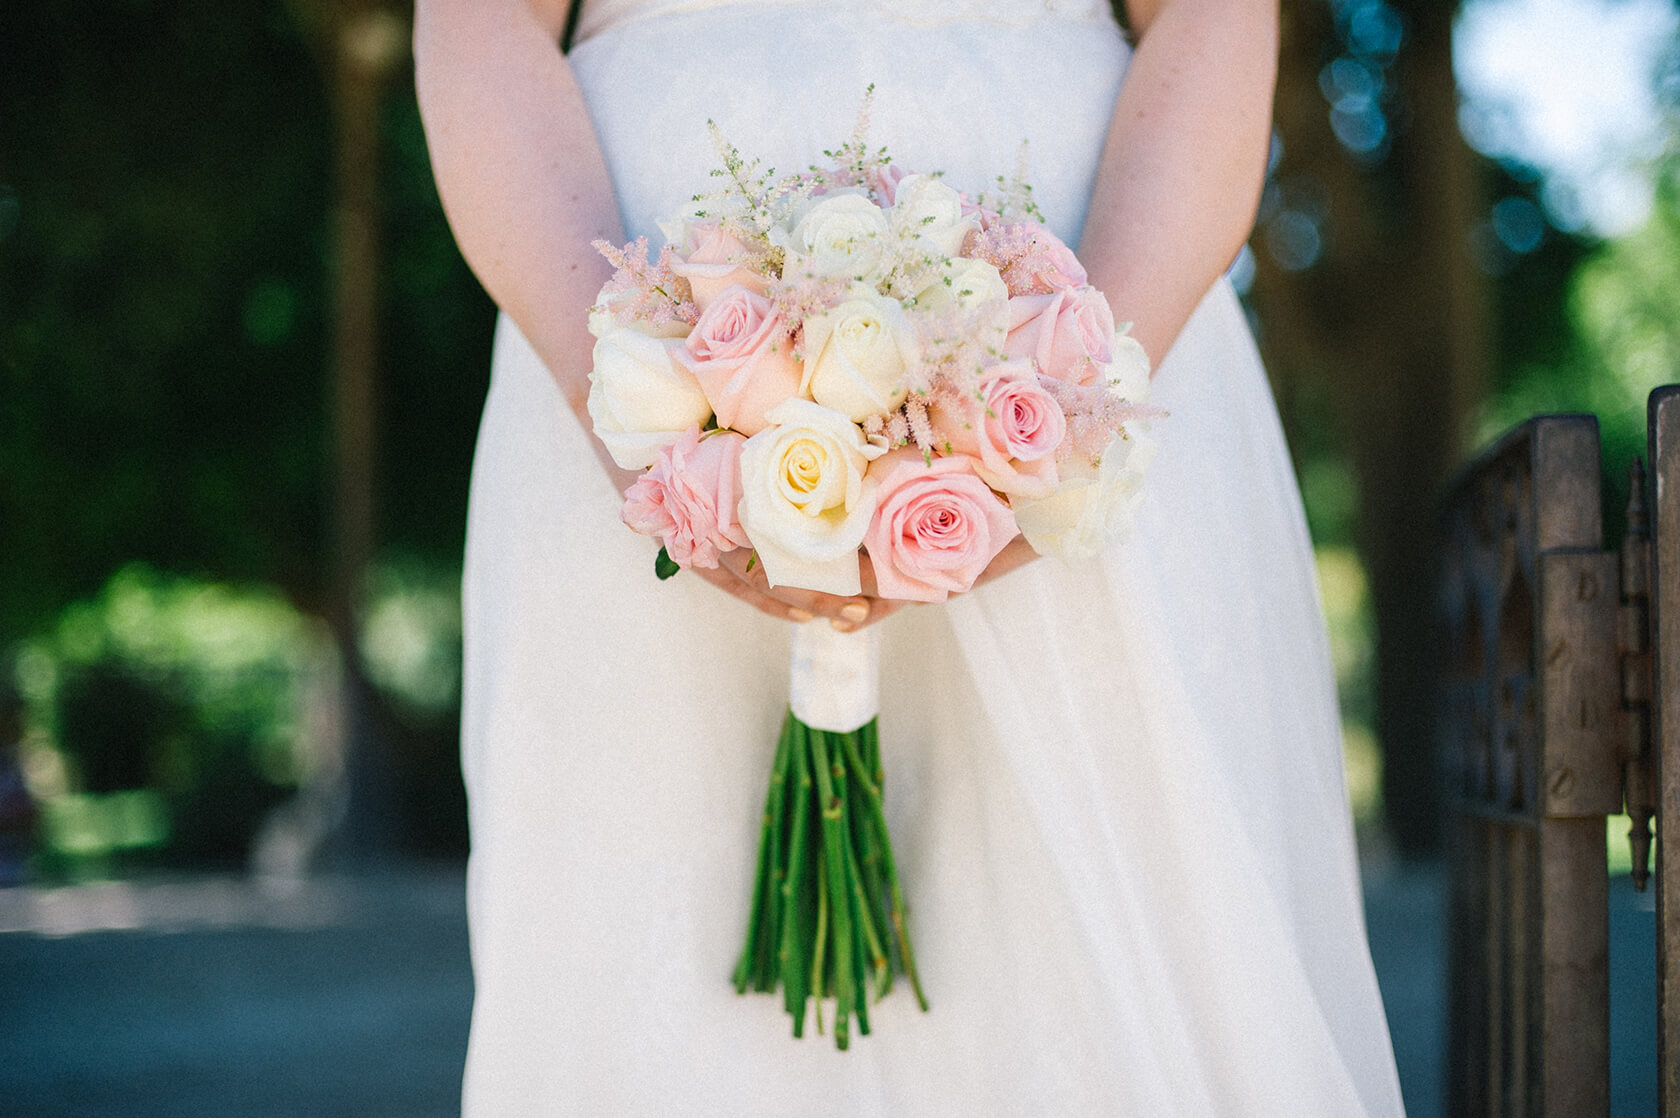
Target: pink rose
{"type": "Point", "coordinates": [1069, 333]}
{"type": "Point", "coordinates": [739, 353]}
{"type": "Point", "coordinates": [886, 179]}
{"type": "Point", "coordinates": [687, 500]}
{"type": "Point", "coordinates": [714, 262]}
{"type": "Point", "coordinates": [1012, 429]}
{"type": "Point", "coordinates": [936, 526]}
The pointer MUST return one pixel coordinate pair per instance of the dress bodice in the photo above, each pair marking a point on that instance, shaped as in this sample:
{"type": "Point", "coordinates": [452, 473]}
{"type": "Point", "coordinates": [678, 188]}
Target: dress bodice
{"type": "Point", "coordinates": [599, 15]}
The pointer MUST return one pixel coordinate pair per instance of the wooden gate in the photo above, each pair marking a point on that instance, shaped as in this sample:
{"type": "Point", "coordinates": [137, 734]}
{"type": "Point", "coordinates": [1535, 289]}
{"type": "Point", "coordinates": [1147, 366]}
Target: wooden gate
{"type": "Point", "coordinates": [1551, 721]}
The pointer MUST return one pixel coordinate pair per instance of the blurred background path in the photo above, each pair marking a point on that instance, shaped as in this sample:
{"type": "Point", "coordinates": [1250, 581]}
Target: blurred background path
{"type": "Point", "coordinates": [350, 995]}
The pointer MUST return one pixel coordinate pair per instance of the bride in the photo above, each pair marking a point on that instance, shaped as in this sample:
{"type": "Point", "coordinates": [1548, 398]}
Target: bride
{"type": "Point", "coordinates": [1115, 785]}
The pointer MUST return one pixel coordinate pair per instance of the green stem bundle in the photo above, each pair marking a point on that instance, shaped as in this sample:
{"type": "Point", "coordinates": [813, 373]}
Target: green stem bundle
{"type": "Point", "coordinates": [828, 916]}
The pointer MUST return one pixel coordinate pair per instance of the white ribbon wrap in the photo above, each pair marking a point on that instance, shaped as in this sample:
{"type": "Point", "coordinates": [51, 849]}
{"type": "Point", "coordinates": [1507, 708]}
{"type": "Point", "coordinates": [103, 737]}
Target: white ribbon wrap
{"type": "Point", "coordinates": [834, 684]}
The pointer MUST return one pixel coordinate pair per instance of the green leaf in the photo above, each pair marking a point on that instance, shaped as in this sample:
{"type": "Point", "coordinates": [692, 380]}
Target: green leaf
{"type": "Point", "coordinates": [663, 566]}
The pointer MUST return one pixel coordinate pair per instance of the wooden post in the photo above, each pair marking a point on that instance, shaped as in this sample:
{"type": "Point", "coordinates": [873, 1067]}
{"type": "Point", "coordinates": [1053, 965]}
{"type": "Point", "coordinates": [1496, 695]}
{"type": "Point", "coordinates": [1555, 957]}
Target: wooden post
{"type": "Point", "coordinates": [1665, 734]}
{"type": "Point", "coordinates": [1532, 729]}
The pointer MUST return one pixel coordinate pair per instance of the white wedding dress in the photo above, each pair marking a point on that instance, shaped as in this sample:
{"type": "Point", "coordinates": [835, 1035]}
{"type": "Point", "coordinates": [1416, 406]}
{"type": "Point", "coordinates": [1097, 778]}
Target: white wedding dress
{"type": "Point", "coordinates": [1115, 786]}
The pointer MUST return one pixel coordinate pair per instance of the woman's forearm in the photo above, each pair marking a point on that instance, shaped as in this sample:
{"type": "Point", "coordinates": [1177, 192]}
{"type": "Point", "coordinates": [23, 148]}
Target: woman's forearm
{"type": "Point", "coordinates": [1185, 158]}
{"type": "Point", "coordinates": [520, 172]}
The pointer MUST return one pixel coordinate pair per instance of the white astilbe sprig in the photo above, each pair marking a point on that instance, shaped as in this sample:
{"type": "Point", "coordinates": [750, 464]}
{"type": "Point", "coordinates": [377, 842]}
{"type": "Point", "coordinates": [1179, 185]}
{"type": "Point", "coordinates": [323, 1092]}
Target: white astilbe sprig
{"type": "Point", "coordinates": [853, 163]}
{"type": "Point", "coordinates": [1095, 416]}
{"type": "Point", "coordinates": [1013, 200]}
{"type": "Point", "coordinates": [750, 202]}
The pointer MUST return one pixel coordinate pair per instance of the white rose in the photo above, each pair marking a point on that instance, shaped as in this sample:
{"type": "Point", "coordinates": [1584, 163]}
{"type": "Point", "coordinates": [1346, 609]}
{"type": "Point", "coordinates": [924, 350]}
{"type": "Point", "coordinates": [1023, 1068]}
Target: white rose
{"type": "Point", "coordinates": [965, 283]}
{"type": "Point", "coordinates": [1091, 508]}
{"type": "Point", "coordinates": [805, 502]}
{"type": "Point", "coordinates": [856, 355]}
{"type": "Point", "coordinates": [931, 212]}
{"type": "Point", "coordinates": [640, 399]}
{"type": "Point", "coordinates": [1128, 371]}
{"type": "Point", "coordinates": [841, 235]}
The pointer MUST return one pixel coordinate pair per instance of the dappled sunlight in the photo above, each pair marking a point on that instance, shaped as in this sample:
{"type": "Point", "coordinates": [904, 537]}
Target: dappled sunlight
{"type": "Point", "coordinates": [1347, 612]}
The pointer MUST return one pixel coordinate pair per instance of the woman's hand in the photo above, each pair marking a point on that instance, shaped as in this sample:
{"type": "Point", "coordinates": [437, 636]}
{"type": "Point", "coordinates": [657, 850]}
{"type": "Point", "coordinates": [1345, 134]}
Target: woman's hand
{"type": "Point", "coordinates": [741, 576]}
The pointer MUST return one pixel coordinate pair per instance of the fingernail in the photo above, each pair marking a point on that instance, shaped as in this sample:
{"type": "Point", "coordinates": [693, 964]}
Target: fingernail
{"type": "Point", "coordinates": [842, 626]}
{"type": "Point", "coordinates": [799, 615]}
{"type": "Point", "coordinates": [855, 611]}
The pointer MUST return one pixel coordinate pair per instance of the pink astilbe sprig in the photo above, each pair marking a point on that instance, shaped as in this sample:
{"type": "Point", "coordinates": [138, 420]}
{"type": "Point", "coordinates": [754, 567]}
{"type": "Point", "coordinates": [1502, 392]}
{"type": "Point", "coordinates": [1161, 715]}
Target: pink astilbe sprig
{"type": "Point", "coordinates": [1030, 258]}
{"type": "Point", "coordinates": [796, 299]}
{"type": "Point", "coordinates": [644, 291]}
{"type": "Point", "coordinates": [1095, 415]}
{"type": "Point", "coordinates": [955, 347]}
{"type": "Point", "coordinates": [888, 430]}
{"type": "Point", "coordinates": [953, 359]}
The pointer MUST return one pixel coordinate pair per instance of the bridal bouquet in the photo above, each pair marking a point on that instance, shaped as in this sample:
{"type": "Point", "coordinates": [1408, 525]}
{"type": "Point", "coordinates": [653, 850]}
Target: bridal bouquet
{"type": "Point", "coordinates": [858, 365]}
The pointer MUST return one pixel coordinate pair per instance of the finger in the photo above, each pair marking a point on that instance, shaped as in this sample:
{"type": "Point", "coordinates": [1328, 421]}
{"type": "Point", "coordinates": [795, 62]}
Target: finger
{"type": "Point", "coordinates": [802, 604]}
{"type": "Point", "coordinates": [731, 584]}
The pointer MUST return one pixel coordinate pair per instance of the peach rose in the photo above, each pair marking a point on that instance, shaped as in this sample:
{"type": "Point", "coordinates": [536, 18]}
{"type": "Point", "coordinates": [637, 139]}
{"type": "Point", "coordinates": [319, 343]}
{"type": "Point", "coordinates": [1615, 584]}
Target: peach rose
{"type": "Point", "coordinates": [738, 352]}
{"type": "Point", "coordinates": [1069, 333]}
{"type": "Point", "coordinates": [1011, 429]}
{"type": "Point", "coordinates": [688, 499]}
{"type": "Point", "coordinates": [936, 526]}
{"type": "Point", "coordinates": [713, 263]}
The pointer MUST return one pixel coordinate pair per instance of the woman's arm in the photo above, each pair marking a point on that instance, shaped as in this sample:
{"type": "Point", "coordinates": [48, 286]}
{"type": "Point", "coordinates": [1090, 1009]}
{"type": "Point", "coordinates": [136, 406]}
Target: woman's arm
{"type": "Point", "coordinates": [520, 173]}
{"type": "Point", "coordinates": [1181, 171]}
{"type": "Point", "coordinates": [525, 189]}
{"type": "Point", "coordinates": [1186, 155]}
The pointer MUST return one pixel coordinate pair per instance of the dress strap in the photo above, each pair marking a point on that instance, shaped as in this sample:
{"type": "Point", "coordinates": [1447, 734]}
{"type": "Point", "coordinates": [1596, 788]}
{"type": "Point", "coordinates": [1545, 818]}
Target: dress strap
{"type": "Point", "coordinates": [573, 10]}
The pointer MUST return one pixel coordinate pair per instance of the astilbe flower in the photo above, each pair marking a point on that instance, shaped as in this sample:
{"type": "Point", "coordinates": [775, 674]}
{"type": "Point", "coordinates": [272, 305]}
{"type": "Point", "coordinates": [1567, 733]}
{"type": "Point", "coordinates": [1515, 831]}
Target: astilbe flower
{"type": "Point", "coordinates": [796, 299]}
{"type": "Point", "coordinates": [1014, 200]}
{"type": "Point", "coordinates": [1094, 417]}
{"type": "Point", "coordinates": [1025, 254]}
{"type": "Point", "coordinates": [953, 359]}
{"type": "Point", "coordinates": [644, 291]}
{"type": "Point", "coordinates": [853, 163]}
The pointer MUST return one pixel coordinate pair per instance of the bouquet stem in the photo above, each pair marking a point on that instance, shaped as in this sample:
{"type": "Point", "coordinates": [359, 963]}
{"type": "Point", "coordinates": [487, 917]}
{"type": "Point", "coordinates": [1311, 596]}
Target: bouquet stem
{"type": "Point", "coordinates": [828, 917]}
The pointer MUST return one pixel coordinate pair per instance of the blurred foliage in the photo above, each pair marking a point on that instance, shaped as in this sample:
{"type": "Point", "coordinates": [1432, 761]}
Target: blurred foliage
{"type": "Point", "coordinates": [164, 268]}
{"type": "Point", "coordinates": [166, 715]}
{"type": "Point", "coordinates": [184, 690]}
{"type": "Point", "coordinates": [1609, 337]}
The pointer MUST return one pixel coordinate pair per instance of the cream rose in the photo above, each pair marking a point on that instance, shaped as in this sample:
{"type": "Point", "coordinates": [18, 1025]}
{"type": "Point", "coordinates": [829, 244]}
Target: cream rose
{"type": "Point", "coordinates": [805, 501]}
{"type": "Point", "coordinates": [842, 236]}
{"type": "Point", "coordinates": [1128, 372]}
{"type": "Point", "coordinates": [856, 355]}
{"type": "Point", "coordinates": [1091, 508]}
{"type": "Point", "coordinates": [640, 399]}
{"type": "Point", "coordinates": [966, 284]}
{"type": "Point", "coordinates": [931, 212]}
